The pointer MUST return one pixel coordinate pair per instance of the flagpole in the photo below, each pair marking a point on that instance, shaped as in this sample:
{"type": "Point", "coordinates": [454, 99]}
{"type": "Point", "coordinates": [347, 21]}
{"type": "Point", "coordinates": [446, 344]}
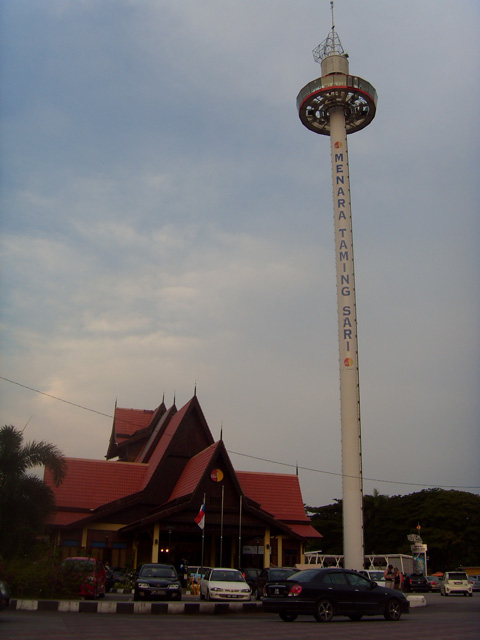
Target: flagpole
{"type": "Point", "coordinates": [203, 536]}
{"type": "Point", "coordinates": [221, 529]}
{"type": "Point", "coordinates": [240, 535]}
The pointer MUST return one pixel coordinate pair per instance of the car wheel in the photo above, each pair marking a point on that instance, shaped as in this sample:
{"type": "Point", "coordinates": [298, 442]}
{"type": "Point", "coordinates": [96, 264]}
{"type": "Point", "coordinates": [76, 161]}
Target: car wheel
{"type": "Point", "coordinates": [324, 611]}
{"type": "Point", "coordinates": [470, 594]}
{"type": "Point", "coordinates": [393, 610]}
{"type": "Point", "coordinates": [356, 617]}
{"type": "Point", "coordinates": [287, 617]}
{"type": "Point", "coordinates": [202, 597]}
{"type": "Point", "coordinates": [178, 596]}
{"type": "Point", "coordinates": [207, 595]}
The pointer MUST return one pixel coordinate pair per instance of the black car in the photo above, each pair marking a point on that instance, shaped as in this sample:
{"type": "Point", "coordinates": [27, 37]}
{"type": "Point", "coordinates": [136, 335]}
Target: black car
{"type": "Point", "coordinates": [325, 593]}
{"type": "Point", "coordinates": [272, 574]}
{"type": "Point", "coordinates": [416, 582]}
{"type": "Point", "coordinates": [157, 581]}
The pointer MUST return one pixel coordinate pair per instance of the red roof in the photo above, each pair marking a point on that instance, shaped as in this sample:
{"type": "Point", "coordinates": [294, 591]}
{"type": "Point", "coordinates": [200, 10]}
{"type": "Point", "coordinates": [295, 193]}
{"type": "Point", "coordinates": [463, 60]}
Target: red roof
{"type": "Point", "coordinates": [305, 530]}
{"type": "Point", "coordinates": [192, 474]}
{"type": "Point", "coordinates": [164, 441]}
{"type": "Point", "coordinates": [129, 421]}
{"type": "Point", "coordinates": [285, 502]}
{"type": "Point", "coordinates": [89, 484]}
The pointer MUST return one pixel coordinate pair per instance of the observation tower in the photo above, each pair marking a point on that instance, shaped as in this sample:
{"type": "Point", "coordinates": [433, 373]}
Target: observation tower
{"type": "Point", "coordinates": [337, 104]}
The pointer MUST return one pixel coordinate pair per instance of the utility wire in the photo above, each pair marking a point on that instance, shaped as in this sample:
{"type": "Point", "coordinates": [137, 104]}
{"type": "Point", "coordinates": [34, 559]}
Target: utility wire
{"type": "Point", "coordinates": [245, 455]}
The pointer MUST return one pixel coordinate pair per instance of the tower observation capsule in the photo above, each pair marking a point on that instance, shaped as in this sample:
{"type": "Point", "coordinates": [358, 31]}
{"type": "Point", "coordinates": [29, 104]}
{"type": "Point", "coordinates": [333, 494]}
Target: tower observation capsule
{"type": "Point", "coordinates": [337, 104]}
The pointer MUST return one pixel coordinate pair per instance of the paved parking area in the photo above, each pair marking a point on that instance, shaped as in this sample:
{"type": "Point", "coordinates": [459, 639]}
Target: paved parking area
{"type": "Point", "coordinates": [442, 618]}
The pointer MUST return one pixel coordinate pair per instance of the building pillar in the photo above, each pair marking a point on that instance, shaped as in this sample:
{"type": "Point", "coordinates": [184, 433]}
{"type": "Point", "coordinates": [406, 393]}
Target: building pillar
{"type": "Point", "coordinates": [266, 548]}
{"type": "Point", "coordinates": [155, 545]}
{"type": "Point", "coordinates": [280, 551]}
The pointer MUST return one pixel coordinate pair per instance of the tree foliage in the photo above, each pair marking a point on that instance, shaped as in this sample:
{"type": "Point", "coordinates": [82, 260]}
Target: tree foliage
{"type": "Point", "coordinates": [25, 500]}
{"type": "Point", "coordinates": [449, 521]}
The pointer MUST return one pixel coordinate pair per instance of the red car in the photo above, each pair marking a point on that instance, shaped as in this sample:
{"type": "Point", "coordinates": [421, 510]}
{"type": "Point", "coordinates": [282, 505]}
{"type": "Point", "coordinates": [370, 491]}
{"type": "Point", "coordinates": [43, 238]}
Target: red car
{"type": "Point", "coordinates": [92, 574]}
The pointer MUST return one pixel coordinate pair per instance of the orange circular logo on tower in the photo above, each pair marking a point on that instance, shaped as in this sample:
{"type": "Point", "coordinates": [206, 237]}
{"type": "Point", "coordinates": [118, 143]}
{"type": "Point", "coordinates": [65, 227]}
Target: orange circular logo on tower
{"type": "Point", "coordinates": [216, 475]}
{"type": "Point", "coordinates": [338, 145]}
{"type": "Point", "coordinates": [348, 362]}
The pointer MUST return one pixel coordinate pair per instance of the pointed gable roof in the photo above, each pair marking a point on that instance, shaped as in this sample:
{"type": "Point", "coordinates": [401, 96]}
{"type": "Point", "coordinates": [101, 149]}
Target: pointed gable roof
{"type": "Point", "coordinates": [129, 424]}
{"type": "Point", "coordinates": [193, 472]}
{"type": "Point", "coordinates": [170, 437]}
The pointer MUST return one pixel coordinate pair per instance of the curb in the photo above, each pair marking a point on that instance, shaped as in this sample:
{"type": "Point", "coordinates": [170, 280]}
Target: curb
{"type": "Point", "coordinates": [158, 608]}
{"type": "Point", "coordinates": [417, 601]}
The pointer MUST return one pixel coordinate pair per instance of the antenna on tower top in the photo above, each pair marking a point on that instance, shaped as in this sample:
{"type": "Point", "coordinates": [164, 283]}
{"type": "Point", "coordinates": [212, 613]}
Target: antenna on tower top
{"type": "Point", "coordinates": [331, 46]}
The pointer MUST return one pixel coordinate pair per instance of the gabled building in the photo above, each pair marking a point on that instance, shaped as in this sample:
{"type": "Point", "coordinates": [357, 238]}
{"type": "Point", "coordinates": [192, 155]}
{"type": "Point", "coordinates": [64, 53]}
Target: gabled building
{"type": "Point", "coordinates": [140, 504]}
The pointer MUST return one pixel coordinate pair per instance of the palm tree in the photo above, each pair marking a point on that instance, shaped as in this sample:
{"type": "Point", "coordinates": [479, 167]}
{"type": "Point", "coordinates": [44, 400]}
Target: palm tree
{"type": "Point", "coordinates": [25, 500]}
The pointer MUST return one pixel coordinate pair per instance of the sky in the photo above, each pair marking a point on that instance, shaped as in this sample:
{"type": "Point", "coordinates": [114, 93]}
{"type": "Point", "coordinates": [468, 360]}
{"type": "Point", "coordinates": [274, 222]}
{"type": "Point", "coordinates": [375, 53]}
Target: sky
{"type": "Point", "coordinates": [167, 224]}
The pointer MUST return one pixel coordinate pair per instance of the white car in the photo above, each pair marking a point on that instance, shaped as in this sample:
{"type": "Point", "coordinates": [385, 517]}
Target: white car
{"type": "Point", "coordinates": [375, 575]}
{"type": "Point", "coordinates": [456, 582]}
{"type": "Point", "coordinates": [224, 584]}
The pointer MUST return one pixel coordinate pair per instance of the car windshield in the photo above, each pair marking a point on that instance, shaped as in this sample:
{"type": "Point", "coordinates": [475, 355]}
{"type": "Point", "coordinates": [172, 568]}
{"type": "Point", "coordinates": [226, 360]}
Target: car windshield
{"type": "Point", "coordinates": [457, 576]}
{"type": "Point", "coordinates": [227, 576]}
{"type": "Point", "coordinates": [79, 564]}
{"type": "Point", "coordinates": [157, 572]}
{"type": "Point", "coordinates": [376, 575]}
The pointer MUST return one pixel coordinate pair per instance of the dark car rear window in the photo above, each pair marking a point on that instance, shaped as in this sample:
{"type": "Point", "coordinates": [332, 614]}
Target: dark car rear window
{"type": "Point", "coordinates": [281, 574]}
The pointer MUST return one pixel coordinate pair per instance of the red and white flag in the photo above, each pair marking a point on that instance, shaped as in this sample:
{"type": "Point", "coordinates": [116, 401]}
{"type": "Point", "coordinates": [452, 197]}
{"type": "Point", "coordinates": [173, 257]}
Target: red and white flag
{"type": "Point", "coordinates": [200, 518]}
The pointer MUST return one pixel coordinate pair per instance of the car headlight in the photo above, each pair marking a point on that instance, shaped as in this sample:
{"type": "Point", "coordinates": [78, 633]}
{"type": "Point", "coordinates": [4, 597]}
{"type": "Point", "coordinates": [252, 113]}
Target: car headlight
{"type": "Point", "coordinates": [142, 585]}
{"type": "Point", "coordinates": [245, 590]}
{"type": "Point", "coordinates": [216, 589]}
{"type": "Point", "coordinates": [173, 586]}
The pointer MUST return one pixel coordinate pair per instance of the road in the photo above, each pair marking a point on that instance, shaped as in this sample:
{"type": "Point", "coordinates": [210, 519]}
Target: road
{"type": "Point", "coordinates": [442, 618]}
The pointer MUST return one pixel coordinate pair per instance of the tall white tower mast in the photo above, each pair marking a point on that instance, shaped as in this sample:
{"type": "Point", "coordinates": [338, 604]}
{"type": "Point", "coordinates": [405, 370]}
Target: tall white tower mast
{"type": "Point", "coordinates": [335, 105]}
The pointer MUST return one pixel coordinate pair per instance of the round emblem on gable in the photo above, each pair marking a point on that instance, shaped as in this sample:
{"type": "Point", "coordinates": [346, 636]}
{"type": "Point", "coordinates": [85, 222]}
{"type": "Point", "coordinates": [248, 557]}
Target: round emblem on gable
{"type": "Point", "coordinates": [216, 475]}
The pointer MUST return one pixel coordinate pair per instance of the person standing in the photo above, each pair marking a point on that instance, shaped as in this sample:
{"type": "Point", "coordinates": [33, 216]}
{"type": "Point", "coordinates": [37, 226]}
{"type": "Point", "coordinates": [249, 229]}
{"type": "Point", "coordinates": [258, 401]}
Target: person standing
{"type": "Point", "coordinates": [388, 574]}
{"type": "Point", "coordinates": [397, 579]}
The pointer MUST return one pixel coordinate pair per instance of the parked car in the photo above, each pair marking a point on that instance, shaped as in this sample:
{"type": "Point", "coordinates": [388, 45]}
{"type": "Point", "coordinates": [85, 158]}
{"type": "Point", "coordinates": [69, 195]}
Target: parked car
{"type": "Point", "coordinates": [157, 581]}
{"type": "Point", "coordinates": [475, 582]}
{"type": "Point", "coordinates": [435, 583]}
{"type": "Point", "coordinates": [224, 584]}
{"type": "Point", "coordinates": [250, 576]}
{"type": "Point", "coordinates": [375, 575]}
{"type": "Point", "coordinates": [456, 582]}
{"type": "Point", "coordinates": [272, 574]}
{"type": "Point", "coordinates": [89, 572]}
{"type": "Point", "coordinates": [416, 582]}
{"type": "Point", "coordinates": [325, 593]}
{"type": "Point", "coordinates": [4, 595]}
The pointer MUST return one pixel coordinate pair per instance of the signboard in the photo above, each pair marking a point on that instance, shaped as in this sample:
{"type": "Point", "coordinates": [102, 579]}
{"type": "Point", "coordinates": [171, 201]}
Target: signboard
{"type": "Point", "coordinates": [253, 550]}
{"type": "Point", "coordinates": [419, 548]}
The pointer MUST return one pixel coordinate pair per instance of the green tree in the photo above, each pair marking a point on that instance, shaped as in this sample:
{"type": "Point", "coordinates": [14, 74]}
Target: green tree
{"type": "Point", "coordinates": [449, 521]}
{"type": "Point", "coordinates": [25, 500]}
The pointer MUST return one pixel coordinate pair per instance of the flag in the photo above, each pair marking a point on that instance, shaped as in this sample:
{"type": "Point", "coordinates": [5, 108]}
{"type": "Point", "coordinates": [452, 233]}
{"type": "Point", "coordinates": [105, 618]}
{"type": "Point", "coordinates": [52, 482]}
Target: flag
{"type": "Point", "coordinates": [200, 519]}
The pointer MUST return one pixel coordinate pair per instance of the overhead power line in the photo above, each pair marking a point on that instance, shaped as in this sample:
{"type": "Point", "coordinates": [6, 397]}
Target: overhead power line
{"type": "Point", "coordinates": [245, 455]}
